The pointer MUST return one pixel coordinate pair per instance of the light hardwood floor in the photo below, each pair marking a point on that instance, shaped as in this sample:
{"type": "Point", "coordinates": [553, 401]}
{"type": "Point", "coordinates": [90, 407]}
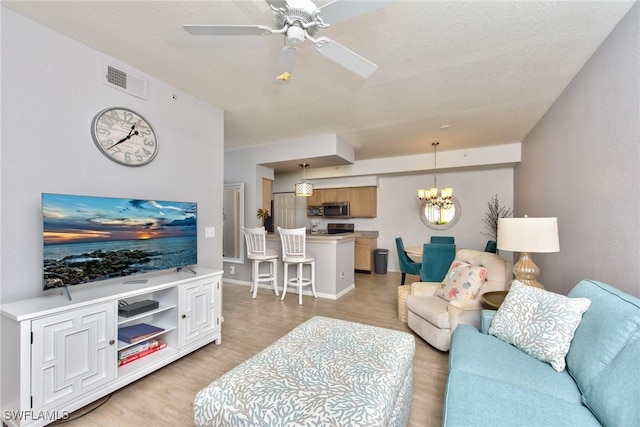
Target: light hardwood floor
{"type": "Point", "coordinates": [164, 398]}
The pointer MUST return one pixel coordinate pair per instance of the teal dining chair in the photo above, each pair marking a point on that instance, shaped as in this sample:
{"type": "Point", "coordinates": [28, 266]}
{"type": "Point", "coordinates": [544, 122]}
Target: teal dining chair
{"type": "Point", "coordinates": [436, 260]}
{"type": "Point", "coordinates": [442, 239]}
{"type": "Point", "coordinates": [407, 265]}
{"type": "Point", "coordinates": [491, 246]}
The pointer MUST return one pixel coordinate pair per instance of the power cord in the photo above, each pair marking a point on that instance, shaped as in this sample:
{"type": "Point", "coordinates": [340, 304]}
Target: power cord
{"type": "Point", "coordinates": [63, 421]}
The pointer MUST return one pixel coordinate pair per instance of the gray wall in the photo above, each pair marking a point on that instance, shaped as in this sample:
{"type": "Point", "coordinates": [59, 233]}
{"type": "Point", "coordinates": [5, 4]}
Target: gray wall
{"type": "Point", "coordinates": [581, 164]}
{"type": "Point", "coordinates": [51, 89]}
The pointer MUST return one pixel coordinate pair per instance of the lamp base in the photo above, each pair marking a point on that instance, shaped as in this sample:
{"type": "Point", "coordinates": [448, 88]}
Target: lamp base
{"type": "Point", "coordinates": [526, 271]}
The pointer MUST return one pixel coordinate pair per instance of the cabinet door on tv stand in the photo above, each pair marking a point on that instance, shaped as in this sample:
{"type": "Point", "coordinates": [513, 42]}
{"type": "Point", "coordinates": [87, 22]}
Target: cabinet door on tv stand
{"type": "Point", "coordinates": [72, 353]}
{"type": "Point", "coordinates": [199, 316]}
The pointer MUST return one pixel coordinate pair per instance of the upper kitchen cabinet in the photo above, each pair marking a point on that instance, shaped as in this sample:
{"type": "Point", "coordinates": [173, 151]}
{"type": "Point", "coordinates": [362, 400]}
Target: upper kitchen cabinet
{"type": "Point", "coordinates": [335, 195]}
{"type": "Point", "coordinates": [316, 198]}
{"type": "Point", "coordinates": [328, 195]}
{"type": "Point", "coordinates": [364, 202]}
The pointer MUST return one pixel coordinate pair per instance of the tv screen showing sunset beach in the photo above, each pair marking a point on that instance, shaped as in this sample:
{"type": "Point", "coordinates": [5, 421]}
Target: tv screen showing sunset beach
{"type": "Point", "coordinates": [88, 238]}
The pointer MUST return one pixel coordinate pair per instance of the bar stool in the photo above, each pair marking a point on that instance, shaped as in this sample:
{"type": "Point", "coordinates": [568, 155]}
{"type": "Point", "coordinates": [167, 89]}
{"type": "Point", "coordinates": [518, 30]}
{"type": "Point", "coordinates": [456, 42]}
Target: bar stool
{"type": "Point", "coordinates": [258, 252]}
{"type": "Point", "coordinates": [293, 253]}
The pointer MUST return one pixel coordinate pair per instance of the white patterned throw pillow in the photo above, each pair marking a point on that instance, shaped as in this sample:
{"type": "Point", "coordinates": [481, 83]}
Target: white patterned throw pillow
{"type": "Point", "coordinates": [539, 322]}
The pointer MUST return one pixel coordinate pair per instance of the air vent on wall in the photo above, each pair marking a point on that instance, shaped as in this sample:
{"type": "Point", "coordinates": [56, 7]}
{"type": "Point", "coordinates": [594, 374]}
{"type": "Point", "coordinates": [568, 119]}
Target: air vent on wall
{"type": "Point", "coordinates": [124, 81]}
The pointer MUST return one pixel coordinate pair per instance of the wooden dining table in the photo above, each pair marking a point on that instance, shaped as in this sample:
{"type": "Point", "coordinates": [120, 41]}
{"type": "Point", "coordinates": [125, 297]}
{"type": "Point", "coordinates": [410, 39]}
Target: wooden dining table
{"type": "Point", "coordinates": [414, 252]}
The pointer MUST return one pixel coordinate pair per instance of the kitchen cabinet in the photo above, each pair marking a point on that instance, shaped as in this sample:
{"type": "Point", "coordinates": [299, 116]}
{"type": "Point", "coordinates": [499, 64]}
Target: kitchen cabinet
{"type": "Point", "coordinates": [363, 201]}
{"type": "Point", "coordinates": [316, 198]}
{"type": "Point", "coordinates": [335, 195]}
{"type": "Point", "coordinates": [363, 256]}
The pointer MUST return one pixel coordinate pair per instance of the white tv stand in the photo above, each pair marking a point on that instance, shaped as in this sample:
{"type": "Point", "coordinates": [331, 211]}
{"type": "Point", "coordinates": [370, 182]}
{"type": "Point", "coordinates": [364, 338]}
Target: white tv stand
{"type": "Point", "coordinates": [60, 355]}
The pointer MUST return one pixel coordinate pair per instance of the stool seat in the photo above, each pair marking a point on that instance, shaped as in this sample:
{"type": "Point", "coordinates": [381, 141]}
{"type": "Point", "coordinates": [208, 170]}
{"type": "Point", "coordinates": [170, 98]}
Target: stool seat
{"type": "Point", "coordinates": [269, 254]}
{"type": "Point", "coordinates": [307, 258]}
{"type": "Point", "coordinates": [258, 252]}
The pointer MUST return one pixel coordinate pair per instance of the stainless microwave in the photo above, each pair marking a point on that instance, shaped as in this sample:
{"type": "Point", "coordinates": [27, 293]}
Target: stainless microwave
{"type": "Point", "coordinates": [314, 210]}
{"type": "Point", "coordinates": [336, 210]}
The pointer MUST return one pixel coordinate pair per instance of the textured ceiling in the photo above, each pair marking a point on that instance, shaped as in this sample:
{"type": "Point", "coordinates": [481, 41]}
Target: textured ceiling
{"type": "Point", "coordinates": [489, 69]}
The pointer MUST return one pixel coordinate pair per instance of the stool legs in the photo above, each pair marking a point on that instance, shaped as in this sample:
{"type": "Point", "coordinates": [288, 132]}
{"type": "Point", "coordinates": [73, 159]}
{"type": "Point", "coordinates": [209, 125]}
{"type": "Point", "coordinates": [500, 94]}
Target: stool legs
{"type": "Point", "coordinates": [256, 275]}
{"type": "Point", "coordinates": [299, 280]}
{"type": "Point", "coordinates": [313, 279]}
{"type": "Point", "coordinates": [273, 271]}
{"type": "Point", "coordinates": [272, 276]}
{"type": "Point", "coordinates": [286, 281]}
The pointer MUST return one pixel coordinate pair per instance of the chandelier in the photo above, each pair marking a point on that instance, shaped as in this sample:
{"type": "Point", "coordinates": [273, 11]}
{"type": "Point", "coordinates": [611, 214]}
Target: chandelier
{"type": "Point", "coordinates": [439, 201]}
{"type": "Point", "coordinates": [304, 188]}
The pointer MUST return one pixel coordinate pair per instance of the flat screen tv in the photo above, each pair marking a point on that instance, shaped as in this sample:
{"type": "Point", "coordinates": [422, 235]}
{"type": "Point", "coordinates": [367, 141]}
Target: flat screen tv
{"type": "Point", "coordinates": [88, 239]}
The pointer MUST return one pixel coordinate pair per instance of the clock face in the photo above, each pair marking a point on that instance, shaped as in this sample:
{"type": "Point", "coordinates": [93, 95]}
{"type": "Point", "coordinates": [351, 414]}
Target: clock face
{"type": "Point", "coordinates": [124, 136]}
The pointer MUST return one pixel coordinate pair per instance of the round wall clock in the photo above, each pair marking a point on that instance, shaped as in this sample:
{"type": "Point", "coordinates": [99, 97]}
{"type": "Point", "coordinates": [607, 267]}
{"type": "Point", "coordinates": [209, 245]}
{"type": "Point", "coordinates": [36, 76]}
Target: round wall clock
{"type": "Point", "coordinates": [124, 136]}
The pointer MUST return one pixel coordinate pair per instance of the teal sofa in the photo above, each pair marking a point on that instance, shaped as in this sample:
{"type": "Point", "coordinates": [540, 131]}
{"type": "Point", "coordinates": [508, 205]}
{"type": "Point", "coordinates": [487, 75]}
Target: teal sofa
{"type": "Point", "coordinates": [492, 383]}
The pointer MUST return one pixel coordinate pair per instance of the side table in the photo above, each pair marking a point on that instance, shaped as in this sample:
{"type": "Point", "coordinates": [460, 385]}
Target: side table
{"type": "Point", "coordinates": [493, 299]}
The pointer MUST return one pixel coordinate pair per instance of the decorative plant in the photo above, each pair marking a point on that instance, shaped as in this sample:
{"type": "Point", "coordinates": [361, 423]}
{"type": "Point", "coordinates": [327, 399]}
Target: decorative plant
{"type": "Point", "coordinates": [263, 214]}
{"type": "Point", "coordinates": [491, 217]}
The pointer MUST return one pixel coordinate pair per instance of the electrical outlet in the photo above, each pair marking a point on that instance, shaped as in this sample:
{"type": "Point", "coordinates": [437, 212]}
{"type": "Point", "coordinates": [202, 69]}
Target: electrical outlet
{"type": "Point", "coordinates": [209, 232]}
{"type": "Point", "coordinates": [342, 274]}
{"type": "Point", "coordinates": [232, 269]}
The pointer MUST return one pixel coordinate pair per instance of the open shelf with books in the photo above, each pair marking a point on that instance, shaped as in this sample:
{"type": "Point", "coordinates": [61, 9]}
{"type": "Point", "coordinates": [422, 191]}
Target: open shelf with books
{"type": "Point", "coordinates": [162, 331]}
{"type": "Point", "coordinates": [139, 350]}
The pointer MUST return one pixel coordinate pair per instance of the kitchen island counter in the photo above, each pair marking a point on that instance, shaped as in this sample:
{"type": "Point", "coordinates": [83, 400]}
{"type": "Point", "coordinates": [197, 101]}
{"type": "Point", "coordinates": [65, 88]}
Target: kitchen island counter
{"type": "Point", "coordinates": [334, 261]}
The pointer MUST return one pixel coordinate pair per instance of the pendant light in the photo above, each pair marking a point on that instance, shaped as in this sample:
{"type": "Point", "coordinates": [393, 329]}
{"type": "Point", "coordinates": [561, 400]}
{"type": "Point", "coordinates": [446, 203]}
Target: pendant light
{"type": "Point", "coordinates": [442, 200]}
{"type": "Point", "coordinates": [304, 188]}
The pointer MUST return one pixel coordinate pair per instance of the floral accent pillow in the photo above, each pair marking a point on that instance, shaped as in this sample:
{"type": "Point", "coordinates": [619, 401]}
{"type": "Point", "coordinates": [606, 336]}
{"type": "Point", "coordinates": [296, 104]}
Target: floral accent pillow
{"type": "Point", "coordinates": [539, 322]}
{"type": "Point", "coordinates": [462, 282]}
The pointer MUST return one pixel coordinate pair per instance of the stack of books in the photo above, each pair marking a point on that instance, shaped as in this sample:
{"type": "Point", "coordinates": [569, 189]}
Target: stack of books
{"type": "Point", "coordinates": [137, 332]}
{"type": "Point", "coordinates": [140, 350]}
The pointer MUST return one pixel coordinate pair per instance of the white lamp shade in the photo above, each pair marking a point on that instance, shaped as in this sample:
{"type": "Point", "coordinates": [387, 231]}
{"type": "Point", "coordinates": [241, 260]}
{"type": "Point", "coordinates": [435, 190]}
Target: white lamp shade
{"type": "Point", "coordinates": [534, 235]}
{"type": "Point", "coordinates": [304, 189]}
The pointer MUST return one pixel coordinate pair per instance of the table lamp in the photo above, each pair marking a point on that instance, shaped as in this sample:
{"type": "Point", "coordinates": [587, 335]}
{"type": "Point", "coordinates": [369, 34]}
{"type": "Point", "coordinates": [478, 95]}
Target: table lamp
{"type": "Point", "coordinates": [528, 235]}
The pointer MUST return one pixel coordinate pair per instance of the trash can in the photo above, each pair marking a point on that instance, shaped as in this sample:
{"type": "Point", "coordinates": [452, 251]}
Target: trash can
{"type": "Point", "coordinates": [380, 259]}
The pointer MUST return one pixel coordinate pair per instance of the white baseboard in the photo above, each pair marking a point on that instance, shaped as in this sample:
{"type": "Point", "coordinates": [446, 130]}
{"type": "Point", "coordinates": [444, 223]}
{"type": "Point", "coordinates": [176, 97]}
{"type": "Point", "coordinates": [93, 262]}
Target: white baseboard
{"type": "Point", "coordinates": [292, 290]}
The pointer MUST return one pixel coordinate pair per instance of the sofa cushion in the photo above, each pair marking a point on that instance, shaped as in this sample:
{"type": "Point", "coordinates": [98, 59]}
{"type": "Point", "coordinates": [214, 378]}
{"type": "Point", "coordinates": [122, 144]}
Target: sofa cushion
{"type": "Point", "coordinates": [432, 309]}
{"type": "Point", "coordinates": [486, 355]}
{"type": "Point", "coordinates": [539, 322]}
{"type": "Point", "coordinates": [474, 400]}
{"type": "Point", "coordinates": [462, 282]}
{"type": "Point", "coordinates": [606, 328]}
{"type": "Point", "coordinates": [614, 395]}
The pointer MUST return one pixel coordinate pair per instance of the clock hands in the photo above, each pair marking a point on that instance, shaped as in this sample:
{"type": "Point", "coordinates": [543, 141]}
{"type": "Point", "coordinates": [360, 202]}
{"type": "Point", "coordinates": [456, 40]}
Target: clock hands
{"type": "Point", "coordinates": [132, 132]}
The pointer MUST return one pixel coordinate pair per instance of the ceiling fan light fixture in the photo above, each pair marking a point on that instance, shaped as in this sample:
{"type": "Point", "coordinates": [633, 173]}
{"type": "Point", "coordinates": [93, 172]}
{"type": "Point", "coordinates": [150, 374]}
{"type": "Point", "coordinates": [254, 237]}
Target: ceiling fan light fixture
{"type": "Point", "coordinates": [295, 35]}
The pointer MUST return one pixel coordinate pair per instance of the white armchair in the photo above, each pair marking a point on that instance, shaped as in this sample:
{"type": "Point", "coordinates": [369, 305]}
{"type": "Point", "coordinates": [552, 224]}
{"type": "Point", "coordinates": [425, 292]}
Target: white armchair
{"type": "Point", "coordinates": [434, 318]}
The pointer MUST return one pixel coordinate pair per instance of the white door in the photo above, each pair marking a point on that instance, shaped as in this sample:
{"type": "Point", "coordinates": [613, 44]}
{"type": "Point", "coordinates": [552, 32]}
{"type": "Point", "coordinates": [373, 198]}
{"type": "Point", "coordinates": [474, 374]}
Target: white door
{"type": "Point", "coordinates": [198, 310]}
{"type": "Point", "coordinates": [284, 205]}
{"type": "Point", "coordinates": [72, 353]}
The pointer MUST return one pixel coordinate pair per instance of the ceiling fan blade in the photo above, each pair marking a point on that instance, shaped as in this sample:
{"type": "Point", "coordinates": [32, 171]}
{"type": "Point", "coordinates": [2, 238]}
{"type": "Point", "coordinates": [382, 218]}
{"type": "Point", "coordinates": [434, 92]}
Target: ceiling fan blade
{"type": "Point", "coordinates": [345, 57]}
{"type": "Point", "coordinates": [284, 66]}
{"type": "Point", "coordinates": [227, 30]}
{"type": "Point", "coordinates": [307, 5]}
{"type": "Point", "coordinates": [339, 11]}
{"type": "Point", "coordinates": [277, 4]}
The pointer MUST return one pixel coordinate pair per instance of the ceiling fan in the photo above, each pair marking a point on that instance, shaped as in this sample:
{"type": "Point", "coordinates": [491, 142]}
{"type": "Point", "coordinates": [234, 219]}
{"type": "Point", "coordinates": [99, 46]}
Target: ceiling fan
{"type": "Point", "coordinates": [300, 20]}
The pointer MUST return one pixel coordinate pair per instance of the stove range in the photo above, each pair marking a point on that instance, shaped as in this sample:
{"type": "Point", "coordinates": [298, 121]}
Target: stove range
{"type": "Point", "coordinates": [339, 228]}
